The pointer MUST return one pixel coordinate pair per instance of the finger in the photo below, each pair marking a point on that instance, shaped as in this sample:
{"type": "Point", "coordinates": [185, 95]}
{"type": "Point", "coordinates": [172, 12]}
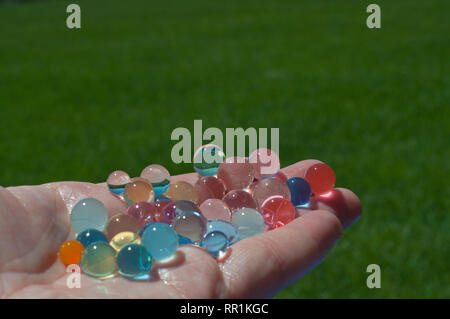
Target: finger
{"type": "Point", "coordinates": [262, 265]}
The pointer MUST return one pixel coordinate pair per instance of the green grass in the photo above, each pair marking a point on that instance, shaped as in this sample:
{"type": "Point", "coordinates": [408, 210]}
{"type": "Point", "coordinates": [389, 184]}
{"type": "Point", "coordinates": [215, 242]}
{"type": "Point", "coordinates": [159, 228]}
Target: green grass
{"type": "Point", "coordinates": [374, 104]}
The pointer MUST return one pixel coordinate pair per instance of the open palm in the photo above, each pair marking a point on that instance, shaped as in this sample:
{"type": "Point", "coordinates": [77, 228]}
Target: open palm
{"type": "Point", "coordinates": [34, 221]}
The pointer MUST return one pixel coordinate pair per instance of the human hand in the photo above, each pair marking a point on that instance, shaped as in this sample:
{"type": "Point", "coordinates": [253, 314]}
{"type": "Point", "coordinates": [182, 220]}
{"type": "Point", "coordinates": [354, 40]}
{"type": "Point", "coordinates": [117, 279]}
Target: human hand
{"type": "Point", "coordinates": [34, 221]}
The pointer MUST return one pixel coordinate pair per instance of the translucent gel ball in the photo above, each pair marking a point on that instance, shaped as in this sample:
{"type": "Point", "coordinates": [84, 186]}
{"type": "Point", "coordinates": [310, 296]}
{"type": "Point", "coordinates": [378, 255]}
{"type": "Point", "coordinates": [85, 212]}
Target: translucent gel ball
{"type": "Point", "coordinates": [99, 260]}
{"type": "Point", "coordinates": [265, 163]}
{"type": "Point", "coordinates": [168, 214]}
{"type": "Point", "coordinates": [88, 213]}
{"type": "Point", "coordinates": [235, 175]}
{"type": "Point", "coordinates": [270, 187]}
{"type": "Point", "coordinates": [216, 243]}
{"type": "Point", "coordinates": [158, 176]}
{"type": "Point", "coordinates": [215, 209]}
{"type": "Point", "coordinates": [90, 236]}
{"type": "Point", "coordinates": [300, 190]}
{"type": "Point", "coordinates": [209, 187]}
{"type": "Point", "coordinates": [182, 206]}
{"type": "Point", "coordinates": [70, 252]}
{"type": "Point", "coordinates": [238, 199]}
{"type": "Point", "coordinates": [277, 211]}
{"type": "Point", "coordinates": [138, 191]}
{"type": "Point", "coordinates": [248, 222]}
{"type": "Point", "coordinates": [160, 240]}
{"type": "Point", "coordinates": [181, 190]}
{"type": "Point", "coordinates": [133, 260]}
{"type": "Point", "coordinates": [321, 178]}
{"type": "Point", "coordinates": [281, 176]}
{"type": "Point", "coordinates": [117, 181]}
{"type": "Point", "coordinates": [143, 212]}
{"type": "Point", "coordinates": [124, 238]}
{"type": "Point", "coordinates": [121, 223]}
{"type": "Point", "coordinates": [224, 227]}
{"type": "Point", "coordinates": [207, 159]}
{"type": "Point", "coordinates": [190, 225]}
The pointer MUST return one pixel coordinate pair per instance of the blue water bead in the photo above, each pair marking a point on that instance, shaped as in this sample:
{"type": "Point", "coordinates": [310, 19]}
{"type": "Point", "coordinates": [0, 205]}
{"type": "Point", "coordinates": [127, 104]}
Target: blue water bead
{"type": "Point", "coordinates": [300, 190]}
{"type": "Point", "coordinates": [88, 213]}
{"type": "Point", "coordinates": [160, 197]}
{"type": "Point", "coordinates": [248, 222]}
{"type": "Point", "coordinates": [207, 159]}
{"type": "Point", "coordinates": [216, 243]}
{"type": "Point", "coordinates": [90, 236]}
{"type": "Point", "coordinates": [224, 227]}
{"type": "Point", "coordinates": [133, 260]}
{"type": "Point", "coordinates": [160, 240]}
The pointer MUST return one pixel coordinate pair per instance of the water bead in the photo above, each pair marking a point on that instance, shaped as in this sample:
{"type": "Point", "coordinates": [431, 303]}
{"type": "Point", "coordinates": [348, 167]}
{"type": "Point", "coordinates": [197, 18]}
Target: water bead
{"type": "Point", "coordinates": [300, 190]}
{"type": "Point", "coordinates": [277, 211]}
{"type": "Point", "coordinates": [238, 199]}
{"type": "Point", "coordinates": [235, 175]}
{"type": "Point", "coordinates": [160, 240]}
{"type": "Point", "coordinates": [88, 213]}
{"type": "Point", "coordinates": [281, 176]}
{"type": "Point", "coordinates": [159, 198]}
{"type": "Point", "coordinates": [70, 252]}
{"type": "Point", "coordinates": [143, 212]}
{"type": "Point", "coordinates": [168, 214]}
{"type": "Point", "coordinates": [138, 191]}
{"type": "Point", "coordinates": [190, 225]}
{"type": "Point", "coordinates": [133, 260]}
{"type": "Point", "coordinates": [265, 162]}
{"type": "Point", "coordinates": [121, 223]}
{"type": "Point", "coordinates": [158, 176]}
{"type": "Point", "coordinates": [270, 187]}
{"type": "Point", "coordinates": [99, 260]}
{"type": "Point", "coordinates": [224, 227]}
{"type": "Point", "coordinates": [124, 238]}
{"type": "Point", "coordinates": [117, 181]}
{"type": "Point", "coordinates": [184, 241]}
{"type": "Point", "coordinates": [321, 178]}
{"type": "Point", "coordinates": [215, 209]}
{"type": "Point", "coordinates": [209, 187]}
{"type": "Point", "coordinates": [248, 222]}
{"type": "Point", "coordinates": [207, 159]}
{"type": "Point", "coordinates": [90, 236]}
{"type": "Point", "coordinates": [216, 243]}
{"type": "Point", "coordinates": [181, 190]}
{"type": "Point", "coordinates": [182, 206]}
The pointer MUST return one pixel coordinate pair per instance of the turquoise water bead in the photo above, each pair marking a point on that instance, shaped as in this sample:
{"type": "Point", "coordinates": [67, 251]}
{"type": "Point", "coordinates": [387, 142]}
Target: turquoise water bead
{"type": "Point", "coordinates": [224, 227]}
{"type": "Point", "coordinates": [99, 260]}
{"type": "Point", "coordinates": [248, 222]}
{"type": "Point", "coordinates": [133, 260]}
{"type": "Point", "coordinates": [216, 243]}
{"type": "Point", "coordinates": [88, 213]}
{"type": "Point", "coordinates": [90, 236]}
{"type": "Point", "coordinates": [160, 240]}
{"type": "Point", "coordinates": [207, 159]}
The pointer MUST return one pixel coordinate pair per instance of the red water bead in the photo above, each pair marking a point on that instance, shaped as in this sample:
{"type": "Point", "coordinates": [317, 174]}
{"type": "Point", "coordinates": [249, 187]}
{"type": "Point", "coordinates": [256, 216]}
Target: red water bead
{"type": "Point", "coordinates": [265, 162]}
{"type": "Point", "coordinates": [321, 178]}
{"type": "Point", "coordinates": [235, 175]}
{"type": "Point", "coordinates": [277, 211]}
{"type": "Point", "coordinates": [143, 212]}
{"type": "Point", "coordinates": [269, 187]}
{"type": "Point", "coordinates": [238, 199]}
{"type": "Point", "coordinates": [209, 187]}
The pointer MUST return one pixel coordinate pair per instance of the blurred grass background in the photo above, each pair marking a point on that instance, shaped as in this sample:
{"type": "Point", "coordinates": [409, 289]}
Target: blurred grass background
{"type": "Point", "coordinates": [373, 104]}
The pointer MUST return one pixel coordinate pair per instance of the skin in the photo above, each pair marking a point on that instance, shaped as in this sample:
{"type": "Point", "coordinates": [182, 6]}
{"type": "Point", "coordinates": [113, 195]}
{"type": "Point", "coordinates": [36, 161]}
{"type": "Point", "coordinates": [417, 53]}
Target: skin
{"type": "Point", "coordinates": [35, 221]}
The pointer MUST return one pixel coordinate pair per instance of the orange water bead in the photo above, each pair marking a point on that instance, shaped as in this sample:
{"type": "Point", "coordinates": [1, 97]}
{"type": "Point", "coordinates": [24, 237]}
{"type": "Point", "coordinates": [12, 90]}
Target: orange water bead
{"type": "Point", "coordinates": [138, 191]}
{"type": "Point", "coordinates": [70, 252]}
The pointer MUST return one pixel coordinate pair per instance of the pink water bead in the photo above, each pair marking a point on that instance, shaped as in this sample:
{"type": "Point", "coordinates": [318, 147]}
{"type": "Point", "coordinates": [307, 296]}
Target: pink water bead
{"type": "Point", "coordinates": [168, 214]}
{"type": "Point", "coordinates": [209, 187]}
{"type": "Point", "coordinates": [235, 175]}
{"type": "Point", "coordinates": [269, 187]}
{"type": "Point", "coordinates": [161, 204]}
{"type": "Point", "coordinates": [238, 199]}
{"type": "Point", "coordinates": [143, 212]}
{"type": "Point", "coordinates": [277, 211]}
{"type": "Point", "coordinates": [265, 162]}
{"type": "Point", "coordinates": [215, 209]}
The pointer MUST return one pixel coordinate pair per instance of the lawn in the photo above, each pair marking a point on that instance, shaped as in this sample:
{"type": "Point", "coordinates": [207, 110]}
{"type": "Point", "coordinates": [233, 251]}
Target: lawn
{"type": "Point", "coordinates": [372, 103]}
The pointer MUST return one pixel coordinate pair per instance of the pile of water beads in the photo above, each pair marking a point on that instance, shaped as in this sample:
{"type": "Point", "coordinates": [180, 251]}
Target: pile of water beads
{"type": "Point", "coordinates": [233, 199]}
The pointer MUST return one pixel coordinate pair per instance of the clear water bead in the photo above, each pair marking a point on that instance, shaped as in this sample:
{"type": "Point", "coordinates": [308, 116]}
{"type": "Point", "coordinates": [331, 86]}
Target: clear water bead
{"type": "Point", "coordinates": [248, 222]}
{"type": "Point", "coordinates": [158, 176]}
{"type": "Point", "coordinates": [207, 159]}
{"type": "Point", "coordinates": [88, 213]}
{"type": "Point", "coordinates": [117, 181]}
{"type": "Point", "coordinates": [191, 225]}
{"type": "Point", "coordinates": [215, 209]}
{"type": "Point", "coordinates": [270, 187]}
{"type": "Point", "coordinates": [238, 199]}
